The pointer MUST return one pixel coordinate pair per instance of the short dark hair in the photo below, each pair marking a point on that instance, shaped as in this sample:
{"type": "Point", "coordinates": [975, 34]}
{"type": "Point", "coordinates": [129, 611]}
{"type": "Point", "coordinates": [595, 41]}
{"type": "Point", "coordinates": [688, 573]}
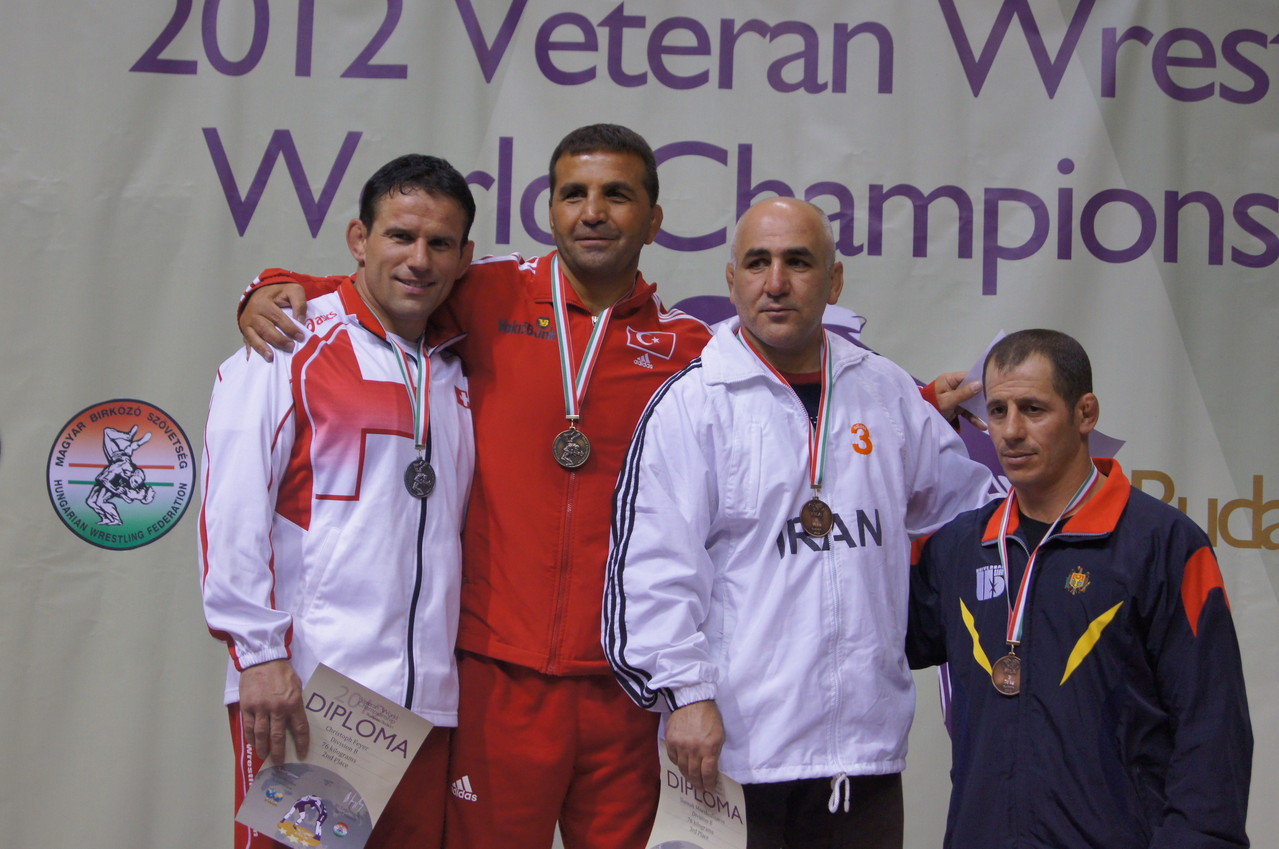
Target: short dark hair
{"type": "Point", "coordinates": [608, 138]}
{"type": "Point", "coordinates": [417, 172]}
{"type": "Point", "coordinates": [1072, 371]}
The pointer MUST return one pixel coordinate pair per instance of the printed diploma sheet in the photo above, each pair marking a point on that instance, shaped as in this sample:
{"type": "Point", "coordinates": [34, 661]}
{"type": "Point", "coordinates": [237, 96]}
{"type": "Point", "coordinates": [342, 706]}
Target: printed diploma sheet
{"type": "Point", "coordinates": [361, 744]}
{"type": "Point", "coordinates": [688, 819]}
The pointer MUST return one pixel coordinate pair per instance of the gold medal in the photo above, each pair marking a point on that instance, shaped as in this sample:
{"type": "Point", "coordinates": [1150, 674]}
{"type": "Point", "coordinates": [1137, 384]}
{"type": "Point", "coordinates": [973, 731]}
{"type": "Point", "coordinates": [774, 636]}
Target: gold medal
{"type": "Point", "coordinates": [1006, 674]}
{"type": "Point", "coordinates": [571, 448]}
{"type": "Point", "coordinates": [816, 518]}
{"type": "Point", "coordinates": [419, 478]}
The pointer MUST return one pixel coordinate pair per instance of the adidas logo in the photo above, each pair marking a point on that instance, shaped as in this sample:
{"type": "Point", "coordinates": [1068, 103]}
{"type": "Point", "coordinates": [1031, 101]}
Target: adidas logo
{"type": "Point", "coordinates": [643, 360]}
{"type": "Point", "coordinates": [462, 789]}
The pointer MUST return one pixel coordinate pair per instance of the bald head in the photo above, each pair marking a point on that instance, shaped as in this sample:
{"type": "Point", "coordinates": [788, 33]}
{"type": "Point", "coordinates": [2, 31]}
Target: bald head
{"type": "Point", "coordinates": [794, 211]}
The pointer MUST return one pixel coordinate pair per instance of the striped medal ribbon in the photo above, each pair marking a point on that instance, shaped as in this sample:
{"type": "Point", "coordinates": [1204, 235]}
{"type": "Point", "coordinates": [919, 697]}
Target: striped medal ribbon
{"type": "Point", "coordinates": [815, 516]}
{"type": "Point", "coordinates": [571, 448]}
{"type": "Point", "coordinates": [419, 477]}
{"type": "Point", "coordinates": [1005, 674]}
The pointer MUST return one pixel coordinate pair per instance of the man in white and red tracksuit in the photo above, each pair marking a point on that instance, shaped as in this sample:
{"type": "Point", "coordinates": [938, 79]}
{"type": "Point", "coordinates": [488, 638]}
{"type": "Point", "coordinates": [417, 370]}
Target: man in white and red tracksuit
{"type": "Point", "coordinates": [321, 540]}
{"type": "Point", "coordinates": [545, 734]}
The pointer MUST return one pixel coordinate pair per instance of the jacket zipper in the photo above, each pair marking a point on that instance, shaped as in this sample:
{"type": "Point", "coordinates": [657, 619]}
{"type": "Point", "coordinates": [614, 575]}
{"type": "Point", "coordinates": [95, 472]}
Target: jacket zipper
{"type": "Point", "coordinates": [419, 572]}
{"type": "Point", "coordinates": [562, 582]}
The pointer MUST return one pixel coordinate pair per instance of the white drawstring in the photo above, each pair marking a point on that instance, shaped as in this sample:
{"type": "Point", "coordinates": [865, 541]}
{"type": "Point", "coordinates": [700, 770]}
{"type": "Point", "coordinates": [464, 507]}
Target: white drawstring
{"type": "Point", "coordinates": [837, 784]}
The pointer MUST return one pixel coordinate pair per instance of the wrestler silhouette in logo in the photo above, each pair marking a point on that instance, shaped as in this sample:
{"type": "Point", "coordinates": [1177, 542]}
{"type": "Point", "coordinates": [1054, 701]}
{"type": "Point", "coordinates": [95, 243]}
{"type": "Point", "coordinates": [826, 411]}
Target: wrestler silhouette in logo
{"type": "Point", "coordinates": [121, 478]}
{"type": "Point", "coordinates": [298, 814]}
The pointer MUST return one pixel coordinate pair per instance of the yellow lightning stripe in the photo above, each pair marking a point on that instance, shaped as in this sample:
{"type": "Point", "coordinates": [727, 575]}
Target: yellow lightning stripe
{"type": "Point", "coordinates": [979, 654]}
{"type": "Point", "coordinates": [1088, 640]}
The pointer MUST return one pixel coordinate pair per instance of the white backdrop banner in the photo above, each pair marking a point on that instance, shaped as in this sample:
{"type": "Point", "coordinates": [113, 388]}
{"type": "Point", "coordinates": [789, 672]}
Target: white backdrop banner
{"type": "Point", "coordinates": [1107, 169]}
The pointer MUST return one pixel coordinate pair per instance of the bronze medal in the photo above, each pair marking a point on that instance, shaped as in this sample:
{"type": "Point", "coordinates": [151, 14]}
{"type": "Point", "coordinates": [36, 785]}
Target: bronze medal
{"type": "Point", "coordinates": [571, 448]}
{"type": "Point", "coordinates": [419, 478]}
{"type": "Point", "coordinates": [1006, 675]}
{"type": "Point", "coordinates": [816, 518]}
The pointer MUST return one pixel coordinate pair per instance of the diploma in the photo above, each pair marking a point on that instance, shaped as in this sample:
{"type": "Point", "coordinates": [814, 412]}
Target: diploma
{"type": "Point", "coordinates": [361, 744]}
{"type": "Point", "coordinates": [691, 819]}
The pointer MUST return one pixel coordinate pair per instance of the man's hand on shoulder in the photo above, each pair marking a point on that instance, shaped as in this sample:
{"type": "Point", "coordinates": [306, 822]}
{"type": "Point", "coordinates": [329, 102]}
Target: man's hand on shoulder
{"type": "Point", "coordinates": [950, 390]}
{"type": "Point", "coordinates": [263, 322]}
{"type": "Point", "coordinates": [271, 706]}
{"type": "Point", "coordinates": [694, 738]}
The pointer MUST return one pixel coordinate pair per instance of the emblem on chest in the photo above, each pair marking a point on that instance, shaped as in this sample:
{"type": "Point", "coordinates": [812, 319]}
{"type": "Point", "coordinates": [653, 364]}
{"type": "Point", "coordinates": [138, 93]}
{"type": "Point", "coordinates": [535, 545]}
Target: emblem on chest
{"type": "Point", "coordinates": [1077, 582]}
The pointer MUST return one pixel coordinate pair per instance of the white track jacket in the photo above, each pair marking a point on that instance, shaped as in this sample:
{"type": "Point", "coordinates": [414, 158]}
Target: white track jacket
{"type": "Point", "coordinates": [714, 591]}
{"type": "Point", "coordinates": [310, 545]}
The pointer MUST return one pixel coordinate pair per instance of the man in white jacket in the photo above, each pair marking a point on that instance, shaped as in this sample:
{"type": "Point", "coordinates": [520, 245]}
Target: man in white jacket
{"type": "Point", "coordinates": [335, 485]}
{"type": "Point", "coordinates": [758, 578]}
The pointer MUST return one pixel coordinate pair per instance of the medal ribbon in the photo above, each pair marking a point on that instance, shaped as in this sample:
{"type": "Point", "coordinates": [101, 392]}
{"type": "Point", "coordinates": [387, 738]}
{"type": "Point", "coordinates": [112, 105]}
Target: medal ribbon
{"type": "Point", "coordinates": [419, 400]}
{"type": "Point", "coordinates": [574, 388]}
{"type": "Point", "coordinates": [817, 434]}
{"type": "Point", "coordinates": [1017, 614]}
{"type": "Point", "coordinates": [417, 391]}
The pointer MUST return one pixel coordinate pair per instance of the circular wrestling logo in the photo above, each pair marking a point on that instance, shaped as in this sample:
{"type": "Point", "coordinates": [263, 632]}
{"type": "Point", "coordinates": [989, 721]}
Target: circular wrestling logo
{"type": "Point", "coordinates": [121, 474]}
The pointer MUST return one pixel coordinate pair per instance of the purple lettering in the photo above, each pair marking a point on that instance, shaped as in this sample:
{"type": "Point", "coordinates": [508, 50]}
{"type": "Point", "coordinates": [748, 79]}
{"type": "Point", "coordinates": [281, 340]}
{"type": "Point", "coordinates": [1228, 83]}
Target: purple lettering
{"type": "Point", "coordinates": [1174, 203]}
{"type": "Point", "coordinates": [710, 240]}
{"type": "Point", "coordinates": [921, 204]}
{"type": "Point", "coordinates": [728, 45]}
{"type": "Point", "coordinates": [1065, 213]}
{"type": "Point", "coordinates": [281, 145]}
{"type": "Point", "coordinates": [746, 193]}
{"type": "Point", "coordinates": [1163, 60]}
{"type": "Point", "coordinates": [1110, 50]}
{"type": "Point", "coordinates": [659, 49]}
{"type": "Point", "coordinates": [1255, 228]}
{"type": "Point", "coordinates": [364, 67]}
{"type": "Point", "coordinates": [528, 210]}
{"type": "Point", "coordinates": [505, 187]}
{"type": "Point", "coordinates": [490, 55]}
{"type": "Point", "coordinates": [545, 43]}
{"type": "Point", "coordinates": [257, 45]}
{"type": "Point", "coordinates": [992, 249]}
{"type": "Point", "coordinates": [845, 239]}
{"type": "Point", "coordinates": [1230, 53]}
{"type": "Point", "coordinates": [1088, 225]}
{"type": "Point", "coordinates": [150, 61]}
{"type": "Point", "coordinates": [843, 37]}
{"type": "Point", "coordinates": [806, 56]}
{"type": "Point", "coordinates": [1051, 69]}
{"type": "Point", "coordinates": [616, 22]}
{"type": "Point", "coordinates": [306, 38]}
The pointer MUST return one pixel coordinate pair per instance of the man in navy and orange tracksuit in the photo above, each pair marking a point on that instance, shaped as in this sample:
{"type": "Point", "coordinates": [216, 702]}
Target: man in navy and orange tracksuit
{"type": "Point", "coordinates": [1097, 691]}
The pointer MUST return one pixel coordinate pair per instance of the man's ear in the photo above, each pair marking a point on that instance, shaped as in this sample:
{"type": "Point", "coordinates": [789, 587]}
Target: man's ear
{"type": "Point", "coordinates": [654, 225]}
{"type": "Point", "coordinates": [1088, 410]}
{"type": "Point", "coordinates": [356, 237]}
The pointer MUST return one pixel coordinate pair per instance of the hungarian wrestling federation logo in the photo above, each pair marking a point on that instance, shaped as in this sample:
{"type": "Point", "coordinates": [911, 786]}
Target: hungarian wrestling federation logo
{"type": "Point", "coordinates": [121, 474]}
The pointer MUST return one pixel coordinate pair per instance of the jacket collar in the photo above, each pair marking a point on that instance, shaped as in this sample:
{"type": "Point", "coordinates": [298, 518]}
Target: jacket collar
{"type": "Point", "coordinates": [1098, 517]}
{"type": "Point", "coordinates": [640, 294]}
{"type": "Point", "coordinates": [736, 363]}
{"type": "Point", "coordinates": [437, 338]}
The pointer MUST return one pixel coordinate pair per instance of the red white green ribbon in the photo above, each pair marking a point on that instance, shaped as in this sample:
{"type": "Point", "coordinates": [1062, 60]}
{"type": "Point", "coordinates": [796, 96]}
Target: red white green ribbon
{"type": "Point", "coordinates": [417, 388]}
{"type": "Point", "coordinates": [1017, 613]}
{"type": "Point", "coordinates": [419, 399]}
{"type": "Point", "coordinates": [574, 387]}
{"type": "Point", "coordinates": [818, 433]}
